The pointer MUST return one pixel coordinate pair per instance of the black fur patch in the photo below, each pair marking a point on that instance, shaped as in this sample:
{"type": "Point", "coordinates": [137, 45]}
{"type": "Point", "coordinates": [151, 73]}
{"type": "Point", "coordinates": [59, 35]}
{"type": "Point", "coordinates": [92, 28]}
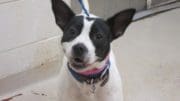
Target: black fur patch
{"type": "Point", "coordinates": [100, 36]}
{"type": "Point", "coordinates": [73, 29]}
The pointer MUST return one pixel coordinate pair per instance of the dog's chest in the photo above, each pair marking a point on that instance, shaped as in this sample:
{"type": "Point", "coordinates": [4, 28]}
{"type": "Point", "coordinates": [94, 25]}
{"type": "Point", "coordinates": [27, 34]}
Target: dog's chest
{"type": "Point", "coordinates": [83, 92]}
{"type": "Point", "coordinates": [89, 90]}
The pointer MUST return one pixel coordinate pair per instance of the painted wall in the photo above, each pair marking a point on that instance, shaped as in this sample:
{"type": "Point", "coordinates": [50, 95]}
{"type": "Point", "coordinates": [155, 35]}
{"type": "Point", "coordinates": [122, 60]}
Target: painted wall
{"type": "Point", "coordinates": [29, 37]}
{"type": "Point", "coordinates": [107, 8]}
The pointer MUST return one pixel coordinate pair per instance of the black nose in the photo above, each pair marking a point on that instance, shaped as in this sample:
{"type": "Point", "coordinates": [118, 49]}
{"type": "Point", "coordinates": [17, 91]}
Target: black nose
{"type": "Point", "coordinates": [79, 50]}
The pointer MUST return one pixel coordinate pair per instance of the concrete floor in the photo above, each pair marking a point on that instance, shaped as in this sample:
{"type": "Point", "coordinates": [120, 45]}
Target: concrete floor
{"type": "Point", "coordinates": [148, 57]}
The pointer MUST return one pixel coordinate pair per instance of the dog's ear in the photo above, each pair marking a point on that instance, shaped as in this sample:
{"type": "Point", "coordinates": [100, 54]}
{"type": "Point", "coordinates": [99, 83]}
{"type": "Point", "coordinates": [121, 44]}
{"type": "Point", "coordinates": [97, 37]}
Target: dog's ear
{"type": "Point", "coordinates": [120, 21]}
{"type": "Point", "coordinates": [63, 14]}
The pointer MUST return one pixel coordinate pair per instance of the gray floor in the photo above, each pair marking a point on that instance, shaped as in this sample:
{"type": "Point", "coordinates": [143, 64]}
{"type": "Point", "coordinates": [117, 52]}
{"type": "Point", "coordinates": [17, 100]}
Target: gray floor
{"type": "Point", "coordinates": [148, 56]}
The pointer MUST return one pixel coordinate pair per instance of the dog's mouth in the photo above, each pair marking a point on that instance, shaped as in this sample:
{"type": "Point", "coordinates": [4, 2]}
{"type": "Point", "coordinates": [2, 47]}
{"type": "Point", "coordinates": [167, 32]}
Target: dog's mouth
{"type": "Point", "coordinates": [78, 63]}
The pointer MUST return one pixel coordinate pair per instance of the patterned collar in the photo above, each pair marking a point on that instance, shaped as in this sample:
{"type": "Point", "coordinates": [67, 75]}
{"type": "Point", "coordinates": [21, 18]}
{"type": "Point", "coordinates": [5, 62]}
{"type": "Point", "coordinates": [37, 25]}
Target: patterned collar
{"type": "Point", "coordinates": [90, 79]}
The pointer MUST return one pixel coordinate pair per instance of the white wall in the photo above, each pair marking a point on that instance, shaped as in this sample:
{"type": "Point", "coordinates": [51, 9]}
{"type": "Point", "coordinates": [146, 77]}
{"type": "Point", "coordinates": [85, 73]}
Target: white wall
{"type": "Point", "coordinates": [107, 8]}
{"type": "Point", "coordinates": [29, 37]}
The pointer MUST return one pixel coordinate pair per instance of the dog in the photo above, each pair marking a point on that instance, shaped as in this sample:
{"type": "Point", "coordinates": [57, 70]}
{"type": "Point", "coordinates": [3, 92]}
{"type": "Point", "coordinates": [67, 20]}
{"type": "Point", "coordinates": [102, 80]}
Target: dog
{"type": "Point", "coordinates": [89, 71]}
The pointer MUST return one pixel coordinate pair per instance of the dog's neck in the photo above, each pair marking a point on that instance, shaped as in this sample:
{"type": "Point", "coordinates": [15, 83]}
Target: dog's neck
{"type": "Point", "coordinates": [93, 76]}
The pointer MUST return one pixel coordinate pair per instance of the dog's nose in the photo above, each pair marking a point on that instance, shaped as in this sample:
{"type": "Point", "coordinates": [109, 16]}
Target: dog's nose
{"type": "Point", "coordinates": [79, 50]}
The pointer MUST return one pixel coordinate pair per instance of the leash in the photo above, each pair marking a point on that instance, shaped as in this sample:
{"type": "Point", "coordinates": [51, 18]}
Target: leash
{"type": "Point", "coordinates": [85, 6]}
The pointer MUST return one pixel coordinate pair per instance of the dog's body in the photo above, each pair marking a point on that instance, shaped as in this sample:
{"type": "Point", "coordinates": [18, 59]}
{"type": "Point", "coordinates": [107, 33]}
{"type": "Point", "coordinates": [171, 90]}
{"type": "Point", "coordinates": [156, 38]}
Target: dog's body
{"type": "Point", "coordinates": [89, 71]}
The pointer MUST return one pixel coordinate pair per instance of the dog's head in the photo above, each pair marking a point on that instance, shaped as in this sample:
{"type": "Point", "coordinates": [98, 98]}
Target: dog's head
{"type": "Point", "coordinates": [86, 40]}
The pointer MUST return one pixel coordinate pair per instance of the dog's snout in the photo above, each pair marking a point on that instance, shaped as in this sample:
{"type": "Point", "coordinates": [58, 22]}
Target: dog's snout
{"type": "Point", "coordinates": [79, 50]}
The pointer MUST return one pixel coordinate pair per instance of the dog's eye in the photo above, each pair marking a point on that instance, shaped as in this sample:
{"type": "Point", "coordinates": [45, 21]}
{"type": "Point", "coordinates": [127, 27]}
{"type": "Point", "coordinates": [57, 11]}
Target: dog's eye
{"type": "Point", "coordinates": [98, 36]}
{"type": "Point", "coordinates": [72, 31]}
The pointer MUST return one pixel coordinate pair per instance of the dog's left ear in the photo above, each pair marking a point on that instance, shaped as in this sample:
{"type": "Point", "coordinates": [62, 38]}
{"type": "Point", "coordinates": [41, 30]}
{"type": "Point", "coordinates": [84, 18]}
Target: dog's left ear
{"type": "Point", "coordinates": [119, 22]}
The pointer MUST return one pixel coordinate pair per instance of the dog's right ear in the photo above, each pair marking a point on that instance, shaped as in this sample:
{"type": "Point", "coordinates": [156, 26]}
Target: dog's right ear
{"type": "Point", "coordinates": [120, 21]}
{"type": "Point", "coordinates": [63, 14]}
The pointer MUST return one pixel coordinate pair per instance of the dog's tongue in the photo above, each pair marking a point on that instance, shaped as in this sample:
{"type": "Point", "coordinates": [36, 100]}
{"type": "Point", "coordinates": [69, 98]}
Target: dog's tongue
{"type": "Point", "coordinates": [92, 71]}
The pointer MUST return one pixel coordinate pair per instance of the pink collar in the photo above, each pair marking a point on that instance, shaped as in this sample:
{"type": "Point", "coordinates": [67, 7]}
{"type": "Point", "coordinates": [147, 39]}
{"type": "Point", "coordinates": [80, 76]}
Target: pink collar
{"type": "Point", "coordinates": [92, 71]}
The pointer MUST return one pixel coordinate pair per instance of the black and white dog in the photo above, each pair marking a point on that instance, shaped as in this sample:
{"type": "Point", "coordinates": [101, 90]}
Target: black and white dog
{"type": "Point", "coordinates": [89, 71]}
